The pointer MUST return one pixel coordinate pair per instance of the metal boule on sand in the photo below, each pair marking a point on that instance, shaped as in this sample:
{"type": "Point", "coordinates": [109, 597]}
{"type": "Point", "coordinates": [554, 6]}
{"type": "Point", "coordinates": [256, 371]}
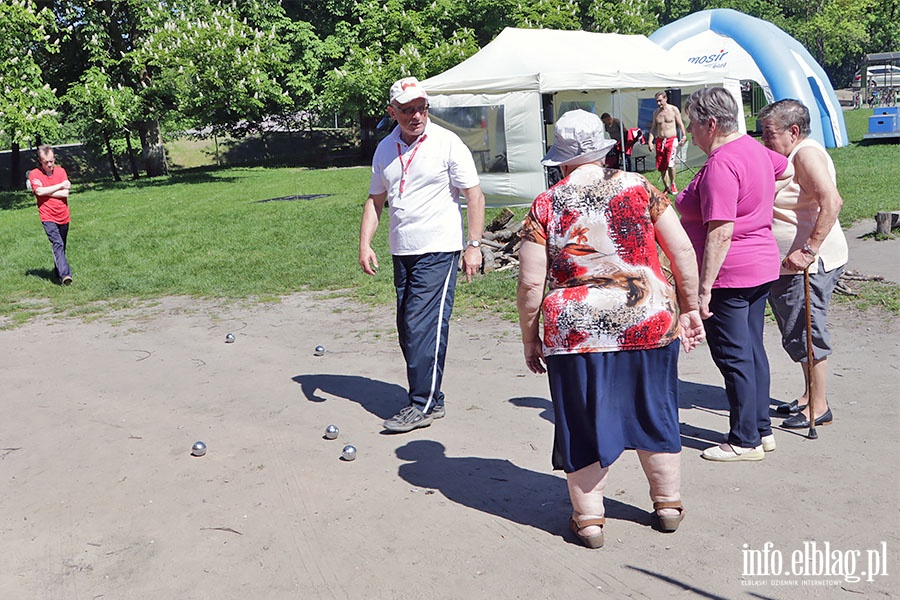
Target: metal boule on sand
{"type": "Point", "coordinates": [349, 452]}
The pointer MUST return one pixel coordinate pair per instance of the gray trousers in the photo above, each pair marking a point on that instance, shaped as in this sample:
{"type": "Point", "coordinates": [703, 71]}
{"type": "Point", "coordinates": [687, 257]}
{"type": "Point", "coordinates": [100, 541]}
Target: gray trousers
{"type": "Point", "coordinates": [57, 235]}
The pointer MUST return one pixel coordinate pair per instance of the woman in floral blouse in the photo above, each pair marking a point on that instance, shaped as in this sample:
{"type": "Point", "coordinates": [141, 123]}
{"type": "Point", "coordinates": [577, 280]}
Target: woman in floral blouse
{"type": "Point", "coordinates": [611, 322]}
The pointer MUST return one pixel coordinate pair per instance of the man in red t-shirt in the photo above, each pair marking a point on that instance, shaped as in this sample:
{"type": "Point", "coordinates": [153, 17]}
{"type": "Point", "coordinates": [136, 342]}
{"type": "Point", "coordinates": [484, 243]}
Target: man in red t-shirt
{"type": "Point", "coordinates": [51, 186]}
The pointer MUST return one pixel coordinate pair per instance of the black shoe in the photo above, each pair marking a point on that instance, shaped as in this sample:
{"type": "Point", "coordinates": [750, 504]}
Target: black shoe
{"type": "Point", "coordinates": [801, 421]}
{"type": "Point", "coordinates": [789, 408]}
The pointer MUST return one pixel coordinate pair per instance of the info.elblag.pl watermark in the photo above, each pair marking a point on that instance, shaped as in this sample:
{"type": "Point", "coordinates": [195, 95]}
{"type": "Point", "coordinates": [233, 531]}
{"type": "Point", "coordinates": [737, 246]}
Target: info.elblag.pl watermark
{"type": "Point", "coordinates": [813, 564]}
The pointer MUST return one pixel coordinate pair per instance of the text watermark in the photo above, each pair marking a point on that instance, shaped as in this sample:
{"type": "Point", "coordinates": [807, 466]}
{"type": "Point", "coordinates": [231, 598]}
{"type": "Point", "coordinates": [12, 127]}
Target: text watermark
{"type": "Point", "coordinates": [814, 560]}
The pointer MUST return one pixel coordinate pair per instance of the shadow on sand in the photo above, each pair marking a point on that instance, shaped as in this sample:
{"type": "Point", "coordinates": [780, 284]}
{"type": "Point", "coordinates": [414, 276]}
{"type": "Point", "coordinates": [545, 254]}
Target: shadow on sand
{"type": "Point", "coordinates": [378, 397]}
{"type": "Point", "coordinates": [498, 487]}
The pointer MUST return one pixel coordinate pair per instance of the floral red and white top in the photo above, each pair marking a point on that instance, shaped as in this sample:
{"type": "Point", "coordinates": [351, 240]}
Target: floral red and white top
{"type": "Point", "coordinates": [606, 287]}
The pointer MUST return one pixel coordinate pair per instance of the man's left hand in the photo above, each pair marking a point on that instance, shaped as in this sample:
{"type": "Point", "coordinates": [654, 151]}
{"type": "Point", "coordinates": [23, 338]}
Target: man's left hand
{"type": "Point", "coordinates": [471, 262]}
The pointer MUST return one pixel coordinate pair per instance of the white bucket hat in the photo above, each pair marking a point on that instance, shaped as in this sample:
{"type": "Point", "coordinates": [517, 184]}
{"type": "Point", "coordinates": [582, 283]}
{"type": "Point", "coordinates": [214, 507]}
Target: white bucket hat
{"type": "Point", "coordinates": [579, 140]}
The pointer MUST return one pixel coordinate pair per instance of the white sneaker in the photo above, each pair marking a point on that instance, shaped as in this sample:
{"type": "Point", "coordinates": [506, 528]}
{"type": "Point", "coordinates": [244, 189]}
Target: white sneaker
{"type": "Point", "coordinates": [768, 442]}
{"type": "Point", "coordinates": [729, 453]}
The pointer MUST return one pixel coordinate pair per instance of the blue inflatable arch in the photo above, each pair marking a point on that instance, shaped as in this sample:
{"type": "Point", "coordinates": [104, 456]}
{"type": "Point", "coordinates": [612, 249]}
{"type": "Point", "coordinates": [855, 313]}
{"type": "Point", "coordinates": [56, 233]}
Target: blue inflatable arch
{"type": "Point", "coordinates": [789, 69]}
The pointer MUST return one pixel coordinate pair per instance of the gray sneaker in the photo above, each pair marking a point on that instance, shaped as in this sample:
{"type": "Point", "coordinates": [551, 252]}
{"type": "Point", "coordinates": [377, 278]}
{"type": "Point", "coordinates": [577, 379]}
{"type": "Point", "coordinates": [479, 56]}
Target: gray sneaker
{"type": "Point", "coordinates": [437, 412]}
{"type": "Point", "coordinates": [408, 419]}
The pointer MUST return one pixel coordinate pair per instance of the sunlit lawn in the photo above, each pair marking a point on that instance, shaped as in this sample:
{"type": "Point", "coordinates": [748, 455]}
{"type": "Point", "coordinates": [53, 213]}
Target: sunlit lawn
{"type": "Point", "coordinates": [218, 233]}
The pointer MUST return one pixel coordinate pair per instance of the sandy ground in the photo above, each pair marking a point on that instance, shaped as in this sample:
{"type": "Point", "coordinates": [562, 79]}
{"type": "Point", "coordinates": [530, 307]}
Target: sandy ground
{"type": "Point", "coordinates": [102, 498]}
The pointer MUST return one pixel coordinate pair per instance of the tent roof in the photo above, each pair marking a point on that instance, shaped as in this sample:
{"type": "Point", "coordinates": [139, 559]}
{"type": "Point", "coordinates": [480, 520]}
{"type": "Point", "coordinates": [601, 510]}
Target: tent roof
{"type": "Point", "coordinates": [549, 60]}
{"type": "Point", "coordinates": [882, 57]}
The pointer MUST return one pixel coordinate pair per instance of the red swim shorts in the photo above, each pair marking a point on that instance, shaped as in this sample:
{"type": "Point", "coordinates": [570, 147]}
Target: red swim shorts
{"type": "Point", "coordinates": [665, 152]}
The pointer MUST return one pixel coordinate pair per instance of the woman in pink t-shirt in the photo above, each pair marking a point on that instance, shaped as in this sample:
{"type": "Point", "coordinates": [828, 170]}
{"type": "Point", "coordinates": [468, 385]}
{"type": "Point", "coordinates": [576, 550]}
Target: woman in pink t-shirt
{"type": "Point", "coordinates": [727, 212]}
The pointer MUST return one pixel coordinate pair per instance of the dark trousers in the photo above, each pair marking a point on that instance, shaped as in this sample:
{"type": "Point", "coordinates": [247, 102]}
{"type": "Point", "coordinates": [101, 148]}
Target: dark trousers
{"type": "Point", "coordinates": [425, 286]}
{"type": "Point", "coordinates": [57, 235]}
{"type": "Point", "coordinates": [735, 337]}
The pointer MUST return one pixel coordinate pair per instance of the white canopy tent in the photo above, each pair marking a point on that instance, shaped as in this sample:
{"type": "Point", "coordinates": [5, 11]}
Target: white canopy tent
{"type": "Point", "coordinates": [504, 100]}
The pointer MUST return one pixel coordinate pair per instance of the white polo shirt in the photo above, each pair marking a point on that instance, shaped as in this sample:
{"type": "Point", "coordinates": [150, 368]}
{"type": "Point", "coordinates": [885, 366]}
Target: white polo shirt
{"type": "Point", "coordinates": [426, 216]}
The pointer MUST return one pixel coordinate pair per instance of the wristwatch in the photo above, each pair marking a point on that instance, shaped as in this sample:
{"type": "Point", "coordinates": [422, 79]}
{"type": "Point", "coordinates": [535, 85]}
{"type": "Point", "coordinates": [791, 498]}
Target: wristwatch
{"type": "Point", "coordinates": [807, 250]}
{"type": "Point", "coordinates": [474, 243]}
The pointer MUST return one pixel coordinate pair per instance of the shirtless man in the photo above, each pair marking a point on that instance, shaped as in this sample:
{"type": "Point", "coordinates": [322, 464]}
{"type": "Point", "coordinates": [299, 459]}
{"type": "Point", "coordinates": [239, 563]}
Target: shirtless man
{"type": "Point", "coordinates": [667, 130]}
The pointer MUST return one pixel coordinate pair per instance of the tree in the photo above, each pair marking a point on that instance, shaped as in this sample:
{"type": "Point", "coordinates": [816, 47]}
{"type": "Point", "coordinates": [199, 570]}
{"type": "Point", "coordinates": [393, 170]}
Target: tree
{"type": "Point", "coordinates": [833, 31]}
{"type": "Point", "coordinates": [103, 111]}
{"type": "Point", "coordinates": [213, 68]}
{"type": "Point", "coordinates": [634, 16]}
{"type": "Point", "coordinates": [108, 33]}
{"type": "Point", "coordinates": [397, 38]}
{"type": "Point", "coordinates": [27, 102]}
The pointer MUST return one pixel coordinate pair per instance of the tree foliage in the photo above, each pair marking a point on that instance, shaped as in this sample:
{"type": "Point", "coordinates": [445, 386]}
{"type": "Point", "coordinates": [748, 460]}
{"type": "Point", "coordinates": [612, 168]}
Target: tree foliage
{"type": "Point", "coordinates": [213, 68]}
{"type": "Point", "coordinates": [141, 65]}
{"type": "Point", "coordinates": [633, 16]}
{"type": "Point", "coordinates": [27, 102]}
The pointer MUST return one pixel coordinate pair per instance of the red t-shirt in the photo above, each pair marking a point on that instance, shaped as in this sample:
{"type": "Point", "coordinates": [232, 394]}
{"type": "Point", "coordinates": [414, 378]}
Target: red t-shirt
{"type": "Point", "coordinates": [55, 210]}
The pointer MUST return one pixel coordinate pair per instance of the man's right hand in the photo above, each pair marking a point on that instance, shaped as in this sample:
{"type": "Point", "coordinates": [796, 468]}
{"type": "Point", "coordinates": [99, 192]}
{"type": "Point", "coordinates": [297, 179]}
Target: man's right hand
{"type": "Point", "coordinates": [368, 261]}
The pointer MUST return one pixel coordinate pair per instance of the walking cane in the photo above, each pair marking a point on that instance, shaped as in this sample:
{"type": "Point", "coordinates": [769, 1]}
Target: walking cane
{"type": "Point", "coordinates": [809, 359]}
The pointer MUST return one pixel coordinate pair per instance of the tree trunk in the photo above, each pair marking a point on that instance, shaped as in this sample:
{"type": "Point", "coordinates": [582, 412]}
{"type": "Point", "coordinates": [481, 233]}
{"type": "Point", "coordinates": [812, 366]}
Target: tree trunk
{"type": "Point", "coordinates": [15, 162]}
{"type": "Point", "coordinates": [112, 158]}
{"type": "Point", "coordinates": [265, 141]}
{"type": "Point", "coordinates": [153, 153]}
{"type": "Point", "coordinates": [131, 159]}
{"type": "Point", "coordinates": [367, 135]}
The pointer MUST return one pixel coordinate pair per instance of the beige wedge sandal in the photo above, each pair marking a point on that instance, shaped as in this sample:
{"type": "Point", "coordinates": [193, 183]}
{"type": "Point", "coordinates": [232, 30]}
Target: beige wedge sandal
{"type": "Point", "coordinates": [669, 524]}
{"type": "Point", "coordinates": [591, 541]}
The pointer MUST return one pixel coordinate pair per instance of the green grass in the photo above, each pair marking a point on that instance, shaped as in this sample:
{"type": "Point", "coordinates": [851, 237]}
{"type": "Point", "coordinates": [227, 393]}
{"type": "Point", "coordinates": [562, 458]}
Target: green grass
{"type": "Point", "coordinates": [866, 172]}
{"type": "Point", "coordinates": [871, 295]}
{"type": "Point", "coordinates": [201, 233]}
{"type": "Point", "coordinates": [205, 233]}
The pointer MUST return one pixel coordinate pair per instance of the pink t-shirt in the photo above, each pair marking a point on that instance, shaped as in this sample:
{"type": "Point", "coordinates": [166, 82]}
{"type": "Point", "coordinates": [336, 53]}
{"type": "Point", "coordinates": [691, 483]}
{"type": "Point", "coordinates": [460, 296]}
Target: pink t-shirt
{"type": "Point", "coordinates": [736, 184]}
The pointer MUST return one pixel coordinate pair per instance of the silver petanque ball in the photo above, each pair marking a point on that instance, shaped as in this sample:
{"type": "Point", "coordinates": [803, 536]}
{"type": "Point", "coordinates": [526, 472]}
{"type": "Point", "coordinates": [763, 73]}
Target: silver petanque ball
{"type": "Point", "coordinates": [229, 338]}
{"type": "Point", "coordinates": [331, 432]}
{"type": "Point", "coordinates": [320, 351]}
{"type": "Point", "coordinates": [349, 452]}
{"type": "Point", "coordinates": [198, 449]}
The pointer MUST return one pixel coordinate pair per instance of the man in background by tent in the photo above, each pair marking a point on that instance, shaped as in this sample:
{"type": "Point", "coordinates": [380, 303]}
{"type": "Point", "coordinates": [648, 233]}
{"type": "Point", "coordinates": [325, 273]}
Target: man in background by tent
{"type": "Point", "coordinates": [613, 128]}
{"type": "Point", "coordinates": [420, 169]}
{"type": "Point", "coordinates": [667, 130]}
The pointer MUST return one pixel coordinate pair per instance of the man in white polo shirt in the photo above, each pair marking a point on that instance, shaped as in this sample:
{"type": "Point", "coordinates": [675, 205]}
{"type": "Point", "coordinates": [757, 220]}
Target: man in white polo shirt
{"type": "Point", "coordinates": [420, 170]}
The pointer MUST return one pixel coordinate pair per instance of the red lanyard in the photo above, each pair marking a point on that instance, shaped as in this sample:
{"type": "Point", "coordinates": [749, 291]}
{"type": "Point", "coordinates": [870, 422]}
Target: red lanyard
{"type": "Point", "coordinates": [405, 167]}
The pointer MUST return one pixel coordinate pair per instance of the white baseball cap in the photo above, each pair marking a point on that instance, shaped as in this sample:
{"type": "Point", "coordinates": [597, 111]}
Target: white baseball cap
{"type": "Point", "coordinates": [578, 140]}
{"type": "Point", "coordinates": [406, 90]}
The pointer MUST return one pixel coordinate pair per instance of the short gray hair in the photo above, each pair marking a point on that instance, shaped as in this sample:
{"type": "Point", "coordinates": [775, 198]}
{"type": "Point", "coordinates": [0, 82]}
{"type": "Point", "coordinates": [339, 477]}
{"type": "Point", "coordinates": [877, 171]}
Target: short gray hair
{"type": "Point", "coordinates": [785, 113]}
{"type": "Point", "coordinates": [713, 103]}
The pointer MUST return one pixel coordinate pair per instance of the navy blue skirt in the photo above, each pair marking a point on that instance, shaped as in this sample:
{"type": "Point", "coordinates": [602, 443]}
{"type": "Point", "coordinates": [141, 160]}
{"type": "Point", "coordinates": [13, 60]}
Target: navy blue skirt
{"type": "Point", "coordinates": [608, 402]}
